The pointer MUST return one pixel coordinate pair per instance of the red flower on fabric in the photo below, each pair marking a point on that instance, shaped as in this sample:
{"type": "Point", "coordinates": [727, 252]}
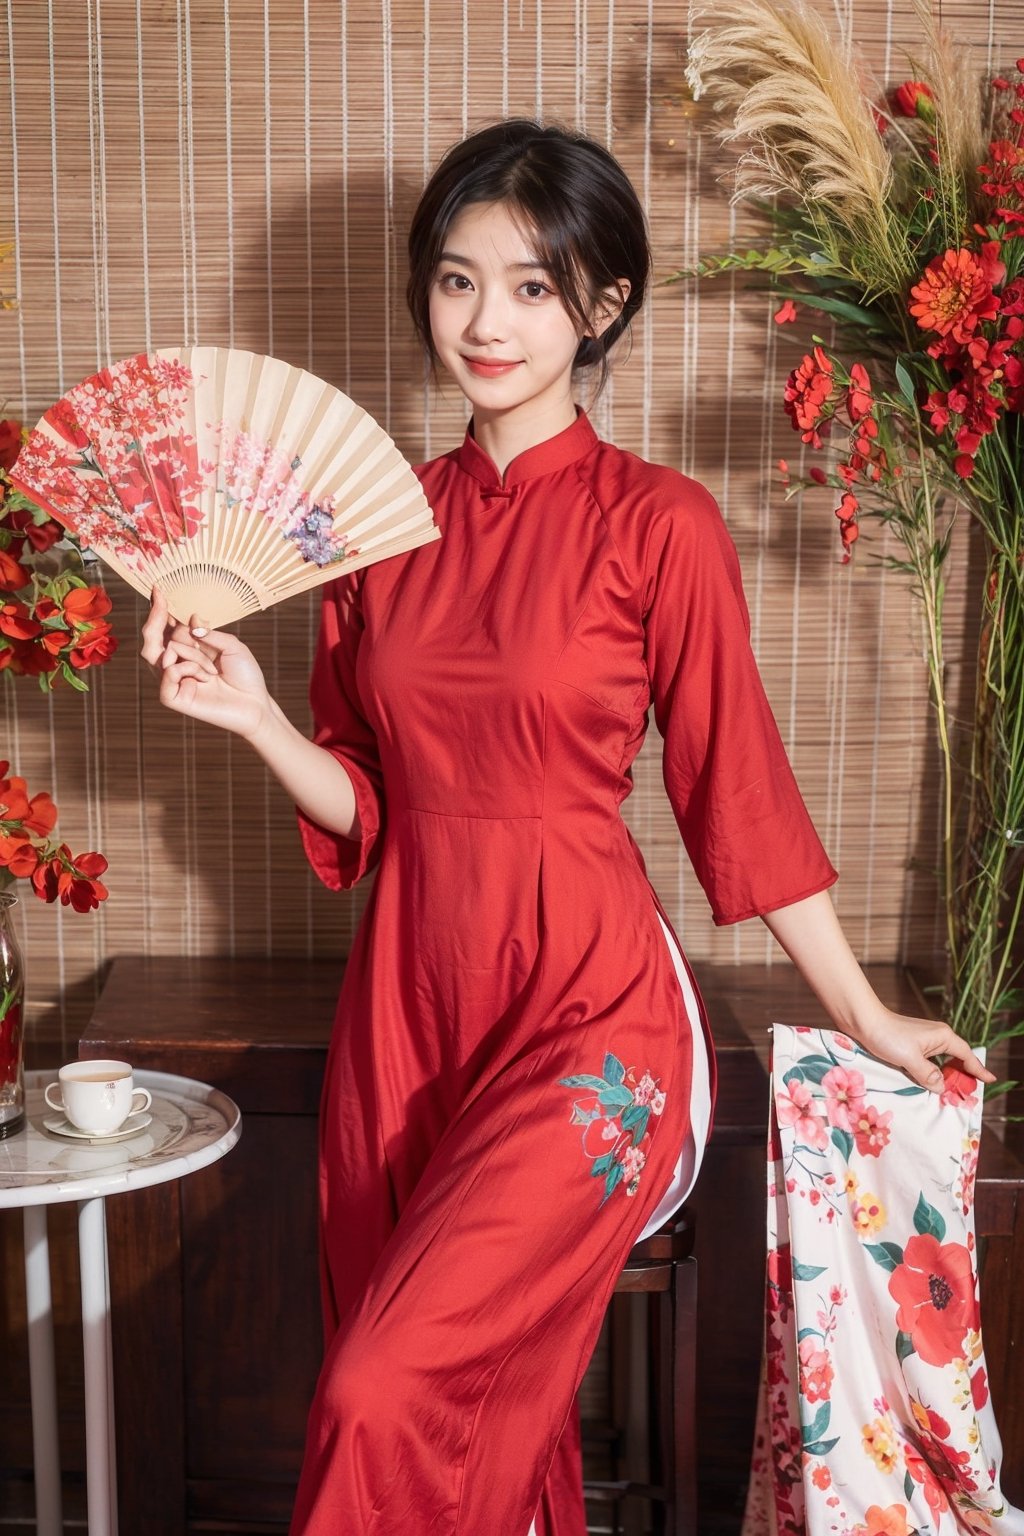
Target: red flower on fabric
{"type": "Point", "coordinates": [891, 1521]}
{"type": "Point", "coordinates": [955, 294]}
{"type": "Point", "coordinates": [922, 1473]}
{"type": "Point", "coordinates": [871, 1130]}
{"type": "Point", "coordinates": [808, 391]}
{"type": "Point", "coordinates": [816, 1373]}
{"type": "Point", "coordinates": [979, 1389]}
{"type": "Point", "coordinates": [934, 1289]}
{"type": "Point", "coordinates": [959, 1087]}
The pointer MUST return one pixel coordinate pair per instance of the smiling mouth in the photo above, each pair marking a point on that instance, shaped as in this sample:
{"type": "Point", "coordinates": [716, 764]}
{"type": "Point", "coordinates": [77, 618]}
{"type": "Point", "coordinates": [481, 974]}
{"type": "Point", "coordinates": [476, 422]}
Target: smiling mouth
{"type": "Point", "coordinates": [492, 364]}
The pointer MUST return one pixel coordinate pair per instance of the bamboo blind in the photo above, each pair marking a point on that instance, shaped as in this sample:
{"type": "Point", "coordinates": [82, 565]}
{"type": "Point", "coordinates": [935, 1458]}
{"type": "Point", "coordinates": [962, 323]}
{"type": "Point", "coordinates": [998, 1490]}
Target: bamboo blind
{"type": "Point", "coordinates": [242, 172]}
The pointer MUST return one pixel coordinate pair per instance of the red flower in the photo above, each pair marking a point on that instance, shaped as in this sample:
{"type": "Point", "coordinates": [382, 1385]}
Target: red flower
{"type": "Point", "coordinates": [858, 397]}
{"type": "Point", "coordinates": [954, 294]}
{"type": "Point", "coordinates": [963, 465]}
{"type": "Point", "coordinates": [808, 391]}
{"type": "Point", "coordinates": [74, 881]}
{"type": "Point", "coordinates": [12, 575]}
{"type": "Point", "coordinates": [10, 442]}
{"type": "Point", "coordinates": [979, 1390]}
{"type": "Point", "coordinates": [816, 1373]}
{"type": "Point", "coordinates": [922, 1473]}
{"type": "Point", "coordinates": [914, 99]}
{"type": "Point", "coordinates": [16, 621]}
{"type": "Point", "coordinates": [1005, 173]}
{"type": "Point", "coordinates": [40, 535]}
{"type": "Point", "coordinates": [785, 313]}
{"type": "Point", "coordinates": [871, 1130]}
{"type": "Point", "coordinates": [94, 647]}
{"type": "Point", "coordinates": [935, 1292]}
{"type": "Point", "coordinates": [84, 605]}
{"type": "Point", "coordinates": [18, 853]}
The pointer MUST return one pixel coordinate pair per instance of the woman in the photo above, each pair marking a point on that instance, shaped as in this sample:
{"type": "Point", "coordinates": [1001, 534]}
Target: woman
{"type": "Point", "coordinates": [520, 1078]}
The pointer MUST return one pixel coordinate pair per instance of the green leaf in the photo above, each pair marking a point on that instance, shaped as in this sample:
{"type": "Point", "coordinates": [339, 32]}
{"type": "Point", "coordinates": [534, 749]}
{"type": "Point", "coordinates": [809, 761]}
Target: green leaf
{"type": "Point", "coordinates": [818, 1425]}
{"type": "Point", "coordinates": [889, 1255]}
{"type": "Point", "coordinates": [809, 1333]}
{"type": "Point", "coordinates": [841, 308]}
{"type": "Point", "coordinates": [602, 1164]}
{"type": "Point", "coordinates": [906, 383]}
{"type": "Point", "coordinates": [613, 1179]}
{"type": "Point", "coordinates": [72, 677]}
{"type": "Point", "coordinates": [614, 1071]}
{"type": "Point", "coordinates": [808, 1271]}
{"type": "Point", "coordinates": [814, 1068]}
{"type": "Point", "coordinates": [928, 1221]}
{"type": "Point", "coordinates": [615, 1098]}
{"type": "Point", "coordinates": [793, 1075]}
{"type": "Point", "coordinates": [820, 1447]}
{"type": "Point", "coordinates": [583, 1080]}
{"type": "Point", "coordinates": [640, 1129]}
{"type": "Point", "coordinates": [904, 1346]}
{"type": "Point", "coordinates": [908, 1093]}
{"type": "Point", "coordinates": [908, 1487]}
{"type": "Point", "coordinates": [843, 1140]}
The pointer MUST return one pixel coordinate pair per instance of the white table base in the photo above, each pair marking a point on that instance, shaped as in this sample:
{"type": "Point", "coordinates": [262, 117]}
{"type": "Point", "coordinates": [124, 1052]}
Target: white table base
{"type": "Point", "coordinates": [42, 1373]}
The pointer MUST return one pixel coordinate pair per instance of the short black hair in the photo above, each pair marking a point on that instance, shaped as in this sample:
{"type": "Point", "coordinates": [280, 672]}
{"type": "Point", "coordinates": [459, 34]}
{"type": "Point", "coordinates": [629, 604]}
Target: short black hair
{"type": "Point", "coordinates": [578, 203]}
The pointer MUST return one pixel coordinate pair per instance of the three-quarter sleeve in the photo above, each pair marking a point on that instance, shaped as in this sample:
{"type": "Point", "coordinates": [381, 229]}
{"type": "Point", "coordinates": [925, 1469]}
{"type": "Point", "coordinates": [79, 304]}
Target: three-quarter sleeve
{"type": "Point", "coordinates": [340, 725]}
{"type": "Point", "coordinates": [733, 793]}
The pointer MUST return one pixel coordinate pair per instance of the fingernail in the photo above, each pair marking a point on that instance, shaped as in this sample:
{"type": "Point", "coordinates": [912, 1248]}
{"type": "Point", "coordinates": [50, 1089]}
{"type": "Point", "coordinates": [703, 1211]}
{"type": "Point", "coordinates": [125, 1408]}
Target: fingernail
{"type": "Point", "coordinates": [199, 631]}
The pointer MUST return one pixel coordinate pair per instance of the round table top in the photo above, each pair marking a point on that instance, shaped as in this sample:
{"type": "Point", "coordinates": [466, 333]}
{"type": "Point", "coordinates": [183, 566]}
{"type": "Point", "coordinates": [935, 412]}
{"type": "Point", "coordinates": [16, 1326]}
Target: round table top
{"type": "Point", "coordinates": [191, 1126]}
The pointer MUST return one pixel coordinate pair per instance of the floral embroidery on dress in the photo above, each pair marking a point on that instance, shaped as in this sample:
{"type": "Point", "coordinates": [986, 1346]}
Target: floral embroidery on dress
{"type": "Point", "coordinates": [615, 1113]}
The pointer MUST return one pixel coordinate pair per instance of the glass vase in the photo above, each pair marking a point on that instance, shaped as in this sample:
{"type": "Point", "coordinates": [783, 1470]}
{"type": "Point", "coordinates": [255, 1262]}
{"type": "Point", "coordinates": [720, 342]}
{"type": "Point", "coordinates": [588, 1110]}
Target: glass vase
{"type": "Point", "coordinates": [12, 990]}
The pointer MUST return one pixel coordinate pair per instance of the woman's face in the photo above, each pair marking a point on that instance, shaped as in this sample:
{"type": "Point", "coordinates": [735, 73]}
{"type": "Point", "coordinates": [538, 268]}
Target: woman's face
{"type": "Point", "coordinates": [497, 322]}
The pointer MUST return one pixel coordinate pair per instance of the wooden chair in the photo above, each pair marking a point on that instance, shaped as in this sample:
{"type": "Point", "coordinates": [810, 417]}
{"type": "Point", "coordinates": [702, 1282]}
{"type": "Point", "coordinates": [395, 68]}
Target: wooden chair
{"type": "Point", "coordinates": [650, 1436]}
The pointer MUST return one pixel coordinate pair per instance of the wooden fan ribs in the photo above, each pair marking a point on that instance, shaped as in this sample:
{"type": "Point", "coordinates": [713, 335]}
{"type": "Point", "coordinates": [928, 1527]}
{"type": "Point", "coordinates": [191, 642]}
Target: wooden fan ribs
{"type": "Point", "coordinates": [229, 479]}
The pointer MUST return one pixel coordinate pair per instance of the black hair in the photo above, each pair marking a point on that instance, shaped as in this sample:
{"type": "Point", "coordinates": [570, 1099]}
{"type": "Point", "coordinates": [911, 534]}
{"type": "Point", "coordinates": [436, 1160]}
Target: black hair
{"type": "Point", "coordinates": [575, 199]}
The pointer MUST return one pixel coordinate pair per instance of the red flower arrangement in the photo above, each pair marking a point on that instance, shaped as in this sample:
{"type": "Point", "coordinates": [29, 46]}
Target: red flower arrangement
{"type": "Point", "coordinates": [27, 852]}
{"type": "Point", "coordinates": [898, 215]}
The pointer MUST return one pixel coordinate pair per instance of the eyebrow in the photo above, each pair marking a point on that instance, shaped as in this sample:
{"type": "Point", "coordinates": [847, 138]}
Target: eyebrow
{"type": "Point", "coordinates": [515, 266]}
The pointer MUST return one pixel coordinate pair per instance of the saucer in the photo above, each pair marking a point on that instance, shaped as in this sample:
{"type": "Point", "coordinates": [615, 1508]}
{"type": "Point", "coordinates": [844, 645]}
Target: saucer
{"type": "Point", "coordinates": [59, 1125]}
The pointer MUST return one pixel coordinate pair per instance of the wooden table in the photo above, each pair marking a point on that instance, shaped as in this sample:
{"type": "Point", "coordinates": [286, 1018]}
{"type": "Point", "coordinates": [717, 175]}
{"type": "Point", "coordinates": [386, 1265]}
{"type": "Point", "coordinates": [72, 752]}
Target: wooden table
{"type": "Point", "coordinates": [235, 1278]}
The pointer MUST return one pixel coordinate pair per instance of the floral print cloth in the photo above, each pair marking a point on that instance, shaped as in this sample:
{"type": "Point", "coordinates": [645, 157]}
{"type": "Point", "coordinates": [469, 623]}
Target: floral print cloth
{"type": "Point", "coordinates": [874, 1414]}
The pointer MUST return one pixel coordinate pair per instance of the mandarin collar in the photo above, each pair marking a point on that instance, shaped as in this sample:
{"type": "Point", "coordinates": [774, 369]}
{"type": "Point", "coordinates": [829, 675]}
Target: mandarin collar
{"type": "Point", "coordinates": [542, 459]}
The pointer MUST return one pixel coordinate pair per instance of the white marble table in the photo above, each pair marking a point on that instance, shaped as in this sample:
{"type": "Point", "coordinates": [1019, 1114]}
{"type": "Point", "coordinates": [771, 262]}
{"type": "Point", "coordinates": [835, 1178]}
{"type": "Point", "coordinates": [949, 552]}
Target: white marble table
{"type": "Point", "coordinates": [192, 1125]}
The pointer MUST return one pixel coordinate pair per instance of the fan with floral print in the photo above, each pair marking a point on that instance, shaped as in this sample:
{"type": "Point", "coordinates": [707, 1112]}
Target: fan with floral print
{"type": "Point", "coordinates": [228, 479]}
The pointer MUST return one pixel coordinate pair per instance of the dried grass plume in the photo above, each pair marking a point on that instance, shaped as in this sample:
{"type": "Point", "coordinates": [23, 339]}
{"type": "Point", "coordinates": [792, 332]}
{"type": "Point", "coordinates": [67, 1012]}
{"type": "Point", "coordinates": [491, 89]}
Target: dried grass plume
{"type": "Point", "coordinates": [795, 105]}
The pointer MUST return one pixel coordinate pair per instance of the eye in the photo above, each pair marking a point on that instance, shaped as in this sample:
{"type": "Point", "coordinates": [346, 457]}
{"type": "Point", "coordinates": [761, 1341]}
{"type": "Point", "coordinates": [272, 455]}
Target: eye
{"type": "Point", "coordinates": [540, 289]}
{"type": "Point", "coordinates": [449, 280]}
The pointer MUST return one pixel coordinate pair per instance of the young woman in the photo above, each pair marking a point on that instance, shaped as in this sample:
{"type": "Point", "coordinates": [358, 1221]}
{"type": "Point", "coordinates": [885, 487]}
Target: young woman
{"type": "Point", "coordinates": [521, 1075]}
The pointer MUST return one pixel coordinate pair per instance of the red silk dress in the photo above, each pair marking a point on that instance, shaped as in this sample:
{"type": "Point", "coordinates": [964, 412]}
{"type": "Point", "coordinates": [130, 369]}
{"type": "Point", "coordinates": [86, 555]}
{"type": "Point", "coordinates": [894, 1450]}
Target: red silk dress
{"type": "Point", "coordinates": [511, 1086]}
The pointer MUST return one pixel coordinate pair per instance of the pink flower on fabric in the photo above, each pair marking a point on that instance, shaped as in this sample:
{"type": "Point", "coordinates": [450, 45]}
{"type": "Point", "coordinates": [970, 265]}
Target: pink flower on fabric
{"type": "Point", "coordinates": [795, 1107]}
{"type": "Point", "coordinates": [644, 1091]}
{"type": "Point", "coordinates": [844, 1096]}
{"type": "Point", "coordinates": [871, 1130]}
{"type": "Point", "coordinates": [657, 1102]}
{"type": "Point", "coordinates": [815, 1371]}
{"type": "Point", "coordinates": [632, 1162]}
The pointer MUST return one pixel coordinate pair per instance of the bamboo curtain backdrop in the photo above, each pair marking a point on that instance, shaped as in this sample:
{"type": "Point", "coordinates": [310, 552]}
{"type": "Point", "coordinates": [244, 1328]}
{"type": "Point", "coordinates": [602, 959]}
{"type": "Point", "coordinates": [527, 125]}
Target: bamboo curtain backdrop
{"type": "Point", "coordinates": [242, 172]}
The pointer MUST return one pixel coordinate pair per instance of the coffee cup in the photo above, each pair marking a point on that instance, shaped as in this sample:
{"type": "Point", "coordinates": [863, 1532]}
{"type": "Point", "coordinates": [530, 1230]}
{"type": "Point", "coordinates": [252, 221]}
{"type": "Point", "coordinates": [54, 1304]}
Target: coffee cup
{"type": "Point", "coordinates": [97, 1096]}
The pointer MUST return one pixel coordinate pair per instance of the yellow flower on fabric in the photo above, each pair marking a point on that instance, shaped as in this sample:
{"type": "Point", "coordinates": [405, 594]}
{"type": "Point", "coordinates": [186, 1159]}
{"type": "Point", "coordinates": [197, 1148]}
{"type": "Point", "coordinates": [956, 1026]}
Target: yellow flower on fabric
{"type": "Point", "coordinates": [879, 1441]}
{"type": "Point", "coordinates": [850, 1182]}
{"type": "Point", "coordinates": [868, 1215]}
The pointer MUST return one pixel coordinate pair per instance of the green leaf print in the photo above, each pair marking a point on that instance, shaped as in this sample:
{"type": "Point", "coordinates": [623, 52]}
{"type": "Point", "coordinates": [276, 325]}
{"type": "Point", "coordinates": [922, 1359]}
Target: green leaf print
{"type": "Point", "coordinates": [904, 1346]}
{"type": "Point", "coordinates": [907, 1093]}
{"type": "Point", "coordinates": [927, 1220]}
{"type": "Point", "coordinates": [821, 1447]}
{"type": "Point", "coordinates": [640, 1128]}
{"type": "Point", "coordinates": [583, 1080]}
{"type": "Point", "coordinates": [612, 1179]}
{"type": "Point", "coordinates": [615, 1098]}
{"type": "Point", "coordinates": [818, 1425]}
{"type": "Point", "coordinates": [601, 1165]}
{"type": "Point", "coordinates": [813, 1068]}
{"type": "Point", "coordinates": [843, 1140]}
{"type": "Point", "coordinates": [614, 1071]}
{"type": "Point", "coordinates": [908, 1487]}
{"type": "Point", "coordinates": [889, 1255]}
{"type": "Point", "coordinates": [808, 1271]}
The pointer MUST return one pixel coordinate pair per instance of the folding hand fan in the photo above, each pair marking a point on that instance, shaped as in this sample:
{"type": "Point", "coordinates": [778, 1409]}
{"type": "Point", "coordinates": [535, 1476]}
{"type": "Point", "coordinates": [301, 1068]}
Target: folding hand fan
{"type": "Point", "coordinates": [228, 479]}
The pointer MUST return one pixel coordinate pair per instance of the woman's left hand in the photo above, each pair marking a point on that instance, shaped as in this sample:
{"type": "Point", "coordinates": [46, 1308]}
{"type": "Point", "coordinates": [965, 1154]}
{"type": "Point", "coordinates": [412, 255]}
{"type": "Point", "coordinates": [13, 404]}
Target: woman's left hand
{"type": "Point", "coordinates": [910, 1044]}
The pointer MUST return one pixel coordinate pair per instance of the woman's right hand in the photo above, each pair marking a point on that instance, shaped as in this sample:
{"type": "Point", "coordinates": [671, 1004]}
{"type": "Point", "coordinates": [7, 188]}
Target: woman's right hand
{"type": "Point", "coordinates": [209, 675]}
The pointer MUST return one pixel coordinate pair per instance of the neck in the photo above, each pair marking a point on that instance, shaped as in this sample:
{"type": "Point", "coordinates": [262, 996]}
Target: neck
{"type": "Point", "coordinates": [505, 434]}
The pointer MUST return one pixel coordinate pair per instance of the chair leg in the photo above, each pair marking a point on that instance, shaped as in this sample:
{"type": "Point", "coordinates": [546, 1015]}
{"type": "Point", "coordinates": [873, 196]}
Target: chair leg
{"type": "Point", "coordinates": [684, 1397]}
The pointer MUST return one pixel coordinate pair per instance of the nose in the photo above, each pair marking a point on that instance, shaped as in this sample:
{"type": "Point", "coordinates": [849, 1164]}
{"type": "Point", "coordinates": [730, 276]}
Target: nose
{"type": "Point", "coordinates": [488, 320]}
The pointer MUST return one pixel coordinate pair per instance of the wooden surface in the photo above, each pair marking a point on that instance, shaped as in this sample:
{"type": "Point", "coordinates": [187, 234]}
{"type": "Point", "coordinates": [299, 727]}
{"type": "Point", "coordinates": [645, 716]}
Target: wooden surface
{"type": "Point", "coordinates": [215, 1279]}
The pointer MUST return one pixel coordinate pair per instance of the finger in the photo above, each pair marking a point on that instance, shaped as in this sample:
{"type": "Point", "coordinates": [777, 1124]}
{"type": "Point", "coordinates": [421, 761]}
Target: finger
{"type": "Point", "coordinates": [154, 629]}
{"type": "Point", "coordinates": [185, 649]}
{"type": "Point", "coordinates": [957, 1046]}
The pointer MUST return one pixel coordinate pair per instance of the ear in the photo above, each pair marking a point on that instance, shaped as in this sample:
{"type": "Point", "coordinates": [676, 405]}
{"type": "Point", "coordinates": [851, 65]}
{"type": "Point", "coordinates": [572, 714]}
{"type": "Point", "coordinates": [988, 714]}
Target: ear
{"type": "Point", "coordinates": [608, 306]}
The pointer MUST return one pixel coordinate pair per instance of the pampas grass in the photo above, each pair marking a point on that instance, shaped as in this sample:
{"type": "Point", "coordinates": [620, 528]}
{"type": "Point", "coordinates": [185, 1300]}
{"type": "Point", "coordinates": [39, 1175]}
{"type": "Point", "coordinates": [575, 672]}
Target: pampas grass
{"type": "Point", "coordinates": [807, 131]}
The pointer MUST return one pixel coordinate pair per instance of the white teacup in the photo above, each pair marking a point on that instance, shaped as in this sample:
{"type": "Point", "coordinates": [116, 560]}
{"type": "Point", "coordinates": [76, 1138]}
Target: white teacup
{"type": "Point", "coordinates": [97, 1096]}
